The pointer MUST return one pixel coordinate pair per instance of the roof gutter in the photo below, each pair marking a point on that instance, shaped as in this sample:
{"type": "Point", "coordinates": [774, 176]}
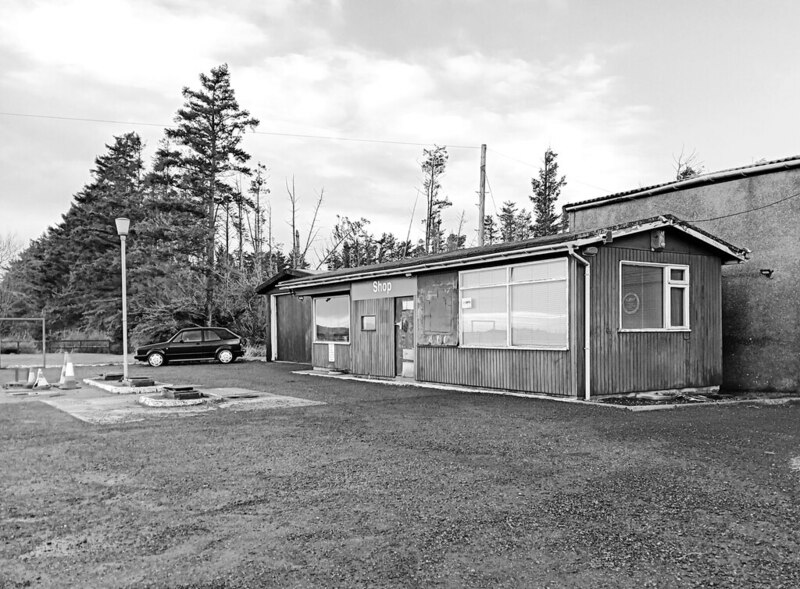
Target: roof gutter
{"type": "Point", "coordinates": [542, 249]}
{"type": "Point", "coordinates": [590, 238]}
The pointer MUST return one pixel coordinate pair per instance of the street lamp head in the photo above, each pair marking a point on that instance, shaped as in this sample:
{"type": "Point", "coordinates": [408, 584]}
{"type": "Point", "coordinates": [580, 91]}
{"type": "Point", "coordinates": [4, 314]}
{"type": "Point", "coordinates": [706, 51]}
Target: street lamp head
{"type": "Point", "coordinates": [123, 224]}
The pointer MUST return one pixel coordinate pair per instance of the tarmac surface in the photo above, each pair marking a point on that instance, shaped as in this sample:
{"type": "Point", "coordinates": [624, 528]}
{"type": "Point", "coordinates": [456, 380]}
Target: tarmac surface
{"type": "Point", "coordinates": [392, 486]}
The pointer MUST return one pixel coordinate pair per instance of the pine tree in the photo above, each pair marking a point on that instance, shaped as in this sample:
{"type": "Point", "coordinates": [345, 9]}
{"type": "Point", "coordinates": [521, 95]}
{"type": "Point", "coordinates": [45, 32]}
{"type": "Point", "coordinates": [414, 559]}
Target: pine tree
{"type": "Point", "coordinates": [433, 168]}
{"type": "Point", "coordinates": [508, 221]}
{"type": "Point", "coordinates": [490, 233]}
{"type": "Point", "coordinates": [546, 190]}
{"type": "Point", "coordinates": [210, 127]}
{"type": "Point", "coordinates": [72, 272]}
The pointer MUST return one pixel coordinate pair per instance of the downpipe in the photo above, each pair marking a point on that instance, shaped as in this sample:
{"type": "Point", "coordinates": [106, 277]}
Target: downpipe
{"type": "Point", "coordinates": [587, 357]}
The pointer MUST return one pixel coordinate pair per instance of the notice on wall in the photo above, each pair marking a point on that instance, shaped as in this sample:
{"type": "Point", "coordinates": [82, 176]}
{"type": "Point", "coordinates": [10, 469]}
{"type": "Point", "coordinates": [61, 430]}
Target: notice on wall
{"type": "Point", "coordinates": [331, 353]}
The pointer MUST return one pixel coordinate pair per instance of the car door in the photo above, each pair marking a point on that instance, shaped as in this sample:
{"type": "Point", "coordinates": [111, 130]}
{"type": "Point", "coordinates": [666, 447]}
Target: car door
{"type": "Point", "coordinates": [211, 342]}
{"type": "Point", "coordinates": [188, 345]}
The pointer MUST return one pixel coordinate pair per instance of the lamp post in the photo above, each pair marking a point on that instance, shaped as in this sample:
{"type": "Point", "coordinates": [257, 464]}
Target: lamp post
{"type": "Point", "coordinates": [123, 225]}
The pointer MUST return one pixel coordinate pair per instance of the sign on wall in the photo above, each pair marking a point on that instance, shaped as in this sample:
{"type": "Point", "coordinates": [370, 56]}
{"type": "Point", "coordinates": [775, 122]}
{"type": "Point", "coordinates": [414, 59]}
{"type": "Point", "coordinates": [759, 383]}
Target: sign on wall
{"type": "Point", "coordinates": [383, 288]}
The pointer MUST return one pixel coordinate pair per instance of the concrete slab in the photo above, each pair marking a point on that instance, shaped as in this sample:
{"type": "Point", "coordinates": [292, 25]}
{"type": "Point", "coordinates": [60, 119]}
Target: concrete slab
{"type": "Point", "coordinates": [128, 408]}
{"type": "Point", "coordinates": [118, 409]}
{"type": "Point", "coordinates": [238, 399]}
{"type": "Point", "coordinates": [116, 387]}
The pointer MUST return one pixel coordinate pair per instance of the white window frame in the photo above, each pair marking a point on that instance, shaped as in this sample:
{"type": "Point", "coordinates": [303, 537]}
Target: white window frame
{"type": "Point", "coordinates": [349, 321]}
{"type": "Point", "coordinates": [667, 284]}
{"type": "Point", "coordinates": [508, 284]}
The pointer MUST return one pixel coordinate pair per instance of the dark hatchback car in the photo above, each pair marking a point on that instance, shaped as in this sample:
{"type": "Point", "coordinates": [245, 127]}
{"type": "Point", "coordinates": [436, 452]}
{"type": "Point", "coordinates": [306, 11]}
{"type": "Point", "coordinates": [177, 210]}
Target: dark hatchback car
{"type": "Point", "coordinates": [195, 343]}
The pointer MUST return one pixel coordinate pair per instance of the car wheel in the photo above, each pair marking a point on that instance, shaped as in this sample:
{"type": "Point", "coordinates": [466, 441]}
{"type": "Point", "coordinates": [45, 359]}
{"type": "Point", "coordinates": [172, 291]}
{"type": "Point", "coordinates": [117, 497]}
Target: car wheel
{"type": "Point", "coordinates": [225, 356]}
{"type": "Point", "coordinates": [155, 359]}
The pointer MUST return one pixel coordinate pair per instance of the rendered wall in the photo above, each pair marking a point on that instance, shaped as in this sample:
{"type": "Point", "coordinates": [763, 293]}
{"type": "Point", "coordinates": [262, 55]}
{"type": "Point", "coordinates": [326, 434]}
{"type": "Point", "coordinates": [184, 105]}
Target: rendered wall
{"type": "Point", "coordinates": [760, 315]}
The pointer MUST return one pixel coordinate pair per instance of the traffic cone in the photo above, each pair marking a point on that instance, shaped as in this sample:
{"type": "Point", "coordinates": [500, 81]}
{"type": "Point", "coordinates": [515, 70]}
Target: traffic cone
{"type": "Point", "coordinates": [41, 381]}
{"type": "Point", "coordinates": [31, 378]}
{"type": "Point", "coordinates": [67, 380]}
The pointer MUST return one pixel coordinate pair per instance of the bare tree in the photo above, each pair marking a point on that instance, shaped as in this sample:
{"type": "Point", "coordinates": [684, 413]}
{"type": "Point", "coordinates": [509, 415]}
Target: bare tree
{"type": "Point", "coordinates": [298, 257]}
{"type": "Point", "coordinates": [9, 248]}
{"type": "Point", "coordinates": [687, 165]}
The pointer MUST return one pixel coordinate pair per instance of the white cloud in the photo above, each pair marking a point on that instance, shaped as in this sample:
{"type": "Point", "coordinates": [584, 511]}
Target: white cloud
{"type": "Point", "coordinates": [131, 59]}
{"type": "Point", "coordinates": [343, 92]}
{"type": "Point", "coordinates": [124, 43]}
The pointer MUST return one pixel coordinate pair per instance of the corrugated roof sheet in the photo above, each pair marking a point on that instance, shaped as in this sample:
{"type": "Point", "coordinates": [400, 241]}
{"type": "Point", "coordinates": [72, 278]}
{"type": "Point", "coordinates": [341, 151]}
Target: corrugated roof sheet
{"type": "Point", "coordinates": [559, 241]}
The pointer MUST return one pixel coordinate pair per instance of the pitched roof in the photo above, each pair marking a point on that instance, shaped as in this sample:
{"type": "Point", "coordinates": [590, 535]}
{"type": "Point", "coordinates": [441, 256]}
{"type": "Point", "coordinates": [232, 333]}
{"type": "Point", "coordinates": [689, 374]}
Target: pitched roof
{"type": "Point", "coordinates": [699, 180]}
{"type": "Point", "coordinates": [559, 243]}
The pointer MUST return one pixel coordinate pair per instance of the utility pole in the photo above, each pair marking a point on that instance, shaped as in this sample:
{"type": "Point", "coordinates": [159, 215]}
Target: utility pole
{"type": "Point", "coordinates": [482, 195]}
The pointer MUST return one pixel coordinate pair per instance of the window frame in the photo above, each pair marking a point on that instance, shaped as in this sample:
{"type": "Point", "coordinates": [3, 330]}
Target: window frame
{"type": "Point", "coordinates": [374, 323]}
{"type": "Point", "coordinates": [667, 285]}
{"type": "Point", "coordinates": [508, 284]}
{"type": "Point", "coordinates": [349, 320]}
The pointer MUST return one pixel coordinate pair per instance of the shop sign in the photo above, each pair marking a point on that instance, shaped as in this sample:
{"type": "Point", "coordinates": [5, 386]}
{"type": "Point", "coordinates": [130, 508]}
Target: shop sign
{"type": "Point", "coordinates": [383, 288]}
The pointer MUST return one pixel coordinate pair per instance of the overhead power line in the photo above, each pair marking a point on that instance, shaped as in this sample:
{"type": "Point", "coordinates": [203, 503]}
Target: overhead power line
{"type": "Point", "coordinates": [276, 134]}
{"type": "Point", "coordinates": [82, 120]}
{"type": "Point", "coordinates": [772, 204]}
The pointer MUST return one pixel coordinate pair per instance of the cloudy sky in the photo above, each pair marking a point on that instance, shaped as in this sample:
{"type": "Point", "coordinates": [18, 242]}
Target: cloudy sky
{"type": "Point", "coordinates": [617, 88]}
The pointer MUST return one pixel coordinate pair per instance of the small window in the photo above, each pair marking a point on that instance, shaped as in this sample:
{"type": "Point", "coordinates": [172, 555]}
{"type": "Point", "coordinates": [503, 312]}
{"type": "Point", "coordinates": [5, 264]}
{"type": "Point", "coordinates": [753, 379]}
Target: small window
{"type": "Point", "coordinates": [368, 323]}
{"type": "Point", "coordinates": [677, 274]}
{"type": "Point", "coordinates": [654, 297]}
{"type": "Point", "coordinates": [332, 319]}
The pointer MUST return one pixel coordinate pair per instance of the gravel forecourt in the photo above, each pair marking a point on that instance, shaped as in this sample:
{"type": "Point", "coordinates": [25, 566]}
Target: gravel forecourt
{"type": "Point", "coordinates": [385, 486]}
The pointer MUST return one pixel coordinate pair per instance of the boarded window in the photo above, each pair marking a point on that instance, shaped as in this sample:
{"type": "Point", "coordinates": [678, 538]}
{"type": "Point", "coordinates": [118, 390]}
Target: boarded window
{"type": "Point", "coordinates": [437, 305]}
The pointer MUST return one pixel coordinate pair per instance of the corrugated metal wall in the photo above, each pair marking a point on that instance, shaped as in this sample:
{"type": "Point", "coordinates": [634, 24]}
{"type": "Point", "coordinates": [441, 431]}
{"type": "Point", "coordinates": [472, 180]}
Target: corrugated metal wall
{"type": "Point", "coordinates": [294, 325]}
{"type": "Point", "coordinates": [320, 356]}
{"type": "Point", "coordinates": [374, 351]}
{"type": "Point", "coordinates": [535, 371]}
{"type": "Point", "coordinates": [641, 361]}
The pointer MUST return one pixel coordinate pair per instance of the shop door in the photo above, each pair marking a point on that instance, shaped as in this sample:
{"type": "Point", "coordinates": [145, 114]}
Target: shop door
{"type": "Point", "coordinates": [404, 336]}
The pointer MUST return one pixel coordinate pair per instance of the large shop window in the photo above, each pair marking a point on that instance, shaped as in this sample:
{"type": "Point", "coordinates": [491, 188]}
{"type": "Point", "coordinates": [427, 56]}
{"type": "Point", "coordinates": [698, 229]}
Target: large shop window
{"type": "Point", "coordinates": [332, 319]}
{"type": "Point", "coordinates": [515, 306]}
{"type": "Point", "coordinates": [654, 297]}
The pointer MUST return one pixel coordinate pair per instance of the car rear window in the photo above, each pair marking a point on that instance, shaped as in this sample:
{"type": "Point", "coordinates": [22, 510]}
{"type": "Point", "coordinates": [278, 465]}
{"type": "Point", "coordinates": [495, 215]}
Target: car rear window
{"type": "Point", "coordinates": [211, 335]}
{"type": "Point", "coordinates": [224, 333]}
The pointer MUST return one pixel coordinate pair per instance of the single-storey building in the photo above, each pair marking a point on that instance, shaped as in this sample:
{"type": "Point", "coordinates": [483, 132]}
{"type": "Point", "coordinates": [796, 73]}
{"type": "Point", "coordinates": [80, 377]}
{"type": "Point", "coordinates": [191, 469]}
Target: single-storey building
{"type": "Point", "coordinates": [758, 206]}
{"type": "Point", "coordinates": [631, 307]}
{"type": "Point", "coordinates": [285, 343]}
